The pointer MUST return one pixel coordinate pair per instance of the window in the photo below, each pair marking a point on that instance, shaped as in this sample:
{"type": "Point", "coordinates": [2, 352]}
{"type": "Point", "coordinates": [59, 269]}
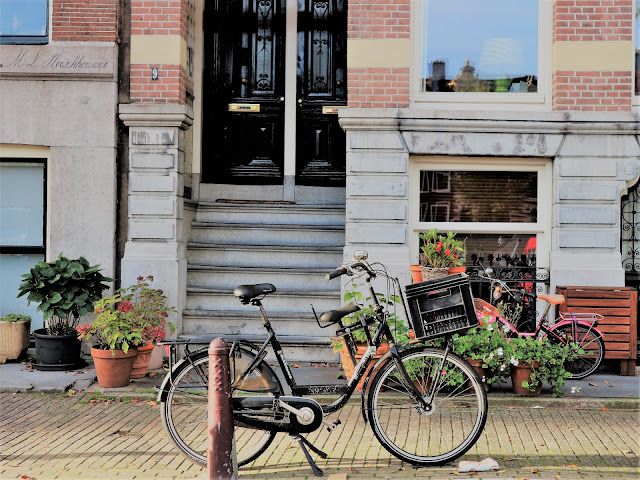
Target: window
{"type": "Point", "coordinates": [500, 208]}
{"type": "Point", "coordinates": [24, 21]}
{"type": "Point", "coordinates": [22, 226]}
{"type": "Point", "coordinates": [472, 51]}
{"type": "Point", "coordinates": [637, 54]}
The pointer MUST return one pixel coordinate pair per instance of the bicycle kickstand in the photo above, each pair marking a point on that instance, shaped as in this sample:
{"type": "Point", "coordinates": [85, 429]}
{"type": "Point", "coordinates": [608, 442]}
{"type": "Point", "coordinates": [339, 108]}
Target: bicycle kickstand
{"type": "Point", "coordinates": [302, 442]}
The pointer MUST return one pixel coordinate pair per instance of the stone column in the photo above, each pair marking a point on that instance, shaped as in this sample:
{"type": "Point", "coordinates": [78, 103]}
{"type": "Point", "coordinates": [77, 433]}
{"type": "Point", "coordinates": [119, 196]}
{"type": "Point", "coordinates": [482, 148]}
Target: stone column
{"type": "Point", "coordinates": [157, 227]}
{"type": "Point", "coordinates": [591, 172]}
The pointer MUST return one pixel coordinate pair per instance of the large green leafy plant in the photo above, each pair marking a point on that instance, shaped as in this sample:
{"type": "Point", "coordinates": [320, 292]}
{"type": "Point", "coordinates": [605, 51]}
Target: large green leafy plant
{"type": "Point", "coordinates": [65, 291]}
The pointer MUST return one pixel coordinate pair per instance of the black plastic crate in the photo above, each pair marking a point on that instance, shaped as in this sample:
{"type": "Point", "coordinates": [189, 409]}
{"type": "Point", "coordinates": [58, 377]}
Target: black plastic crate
{"type": "Point", "coordinates": [441, 307]}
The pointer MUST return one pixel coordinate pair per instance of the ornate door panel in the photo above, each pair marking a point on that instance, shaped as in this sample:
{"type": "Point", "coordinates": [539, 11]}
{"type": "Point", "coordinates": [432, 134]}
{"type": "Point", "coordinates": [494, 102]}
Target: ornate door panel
{"type": "Point", "coordinates": [321, 87]}
{"type": "Point", "coordinates": [244, 91]}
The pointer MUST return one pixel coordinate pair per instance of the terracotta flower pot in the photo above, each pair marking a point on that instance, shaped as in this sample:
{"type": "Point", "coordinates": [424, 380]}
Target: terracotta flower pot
{"type": "Point", "coordinates": [141, 364]}
{"type": "Point", "coordinates": [454, 270]}
{"type": "Point", "coordinates": [416, 273]}
{"type": "Point", "coordinates": [348, 366]}
{"type": "Point", "coordinates": [522, 373]}
{"type": "Point", "coordinates": [113, 368]}
{"type": "Point", "coordinates": [157, 357]}
{"type": "Point", "coordinates": [483, 373]}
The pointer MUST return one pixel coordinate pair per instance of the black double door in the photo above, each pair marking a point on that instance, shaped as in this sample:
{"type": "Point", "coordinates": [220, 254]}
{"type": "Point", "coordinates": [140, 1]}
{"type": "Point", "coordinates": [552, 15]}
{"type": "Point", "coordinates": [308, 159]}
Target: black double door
{"type": "Point", "coordinates": [246, 84]}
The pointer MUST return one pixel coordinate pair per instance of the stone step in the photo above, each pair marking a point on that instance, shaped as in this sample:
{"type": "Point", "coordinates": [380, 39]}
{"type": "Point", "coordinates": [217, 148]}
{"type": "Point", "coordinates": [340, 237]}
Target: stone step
{"type": "Point", "coordinates": [241, 322]}
{"type": "Point", "coordinates": [283, 300]}
{"type": "Point", "coordinates": [282, 277]}
{"type": "Point", "coordinates": [296, 348]}
{"type": "Point", "coordinates": [268, 233]}
{"type": "Point", "coordinates": [264, 255]}
{"type": "Point", "coordinates": [270, 213]}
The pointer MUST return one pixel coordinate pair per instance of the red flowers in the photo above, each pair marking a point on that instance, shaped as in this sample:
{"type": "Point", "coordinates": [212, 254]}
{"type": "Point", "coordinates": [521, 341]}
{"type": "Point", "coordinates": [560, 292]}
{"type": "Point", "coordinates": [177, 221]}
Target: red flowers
{"type": "Point", "coordinates": [439, 247]}
{"type": "Point", "coordinates": [447, 252]}
{"type": "Point", "coordinates": [125, 306]}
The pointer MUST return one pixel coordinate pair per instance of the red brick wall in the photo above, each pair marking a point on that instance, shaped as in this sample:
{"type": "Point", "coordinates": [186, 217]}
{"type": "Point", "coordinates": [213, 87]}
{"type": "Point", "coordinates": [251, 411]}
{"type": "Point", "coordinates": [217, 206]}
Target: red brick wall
{"type": "Point", "coordinates": [89, 20]}
{"type": "Point", "coordinates": [157, 18]}
{"type": "Point", "coordinates": [377, 87]}
{"type": "Point", "coordinates": [592, 21]}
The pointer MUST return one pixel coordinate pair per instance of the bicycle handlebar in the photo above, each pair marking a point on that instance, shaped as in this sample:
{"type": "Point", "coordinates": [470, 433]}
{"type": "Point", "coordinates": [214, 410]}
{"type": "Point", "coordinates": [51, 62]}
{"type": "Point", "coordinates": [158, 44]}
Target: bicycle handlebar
{"type": "Point", "coordinates": [348, 270]}
{"type": "Point", "coordinates": [336, 273]}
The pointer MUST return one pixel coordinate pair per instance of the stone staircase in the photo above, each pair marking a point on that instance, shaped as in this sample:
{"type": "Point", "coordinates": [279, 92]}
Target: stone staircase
{"type": "Point", "coordinates": [291, 246]}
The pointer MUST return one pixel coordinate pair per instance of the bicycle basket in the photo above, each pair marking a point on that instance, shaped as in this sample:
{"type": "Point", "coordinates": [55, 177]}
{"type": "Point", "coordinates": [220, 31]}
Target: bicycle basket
{"type": "Point", "coordinates": [441, 307]}
{"type": "Point", "coordinates": [485, 308]}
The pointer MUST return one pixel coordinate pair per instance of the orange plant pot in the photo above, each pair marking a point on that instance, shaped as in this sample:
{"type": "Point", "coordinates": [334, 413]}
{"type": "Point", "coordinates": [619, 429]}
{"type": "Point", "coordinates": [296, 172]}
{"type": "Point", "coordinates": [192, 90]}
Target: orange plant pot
{"type": "Point", "coordinates": [141, 364]}
{"type": "Point", "coordinates": [113, 368]}
{"type": "Point", "coordinates": [454, 270]}
{"type": "Point", "coordinates": [348, 366]}
{"type": "Point", "coordinates": [483, 373]}
{"type": "Point", "coordinates": [416, 273]}
{"type": "Point", "coordinates": [520, 374]}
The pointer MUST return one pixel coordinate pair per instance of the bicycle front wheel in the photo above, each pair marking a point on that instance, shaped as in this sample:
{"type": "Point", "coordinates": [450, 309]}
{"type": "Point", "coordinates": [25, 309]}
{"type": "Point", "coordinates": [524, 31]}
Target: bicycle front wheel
{"type": "Point", "coordinates": [590, 342]}
{"type": "Point", "coordinates": [184, 415]}
{"type": "Point", "coordinates": [427, 436]}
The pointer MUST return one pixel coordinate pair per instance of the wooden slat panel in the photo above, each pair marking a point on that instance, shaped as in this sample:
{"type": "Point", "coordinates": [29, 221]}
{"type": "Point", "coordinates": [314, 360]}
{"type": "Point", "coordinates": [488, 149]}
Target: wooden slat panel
{"type": "Point", "coordinates": [615, 337]}
{"type": "Point", "coordinates": [598, 303]}
{"type": "Point", "coordinates": [619, 307]}
{"type": "Point", "coordinates": [614, 328]}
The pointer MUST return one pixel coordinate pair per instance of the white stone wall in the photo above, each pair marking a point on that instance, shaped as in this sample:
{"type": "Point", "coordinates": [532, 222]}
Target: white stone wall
{"type": "Point", "coordinates": [594, 157]}
{"type": "Point", "coordinates": [72, 111]}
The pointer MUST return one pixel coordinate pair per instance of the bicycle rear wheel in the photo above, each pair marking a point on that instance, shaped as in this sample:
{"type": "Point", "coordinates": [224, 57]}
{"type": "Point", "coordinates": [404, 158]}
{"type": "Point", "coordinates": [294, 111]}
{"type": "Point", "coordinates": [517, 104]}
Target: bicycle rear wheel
{"type": "Point", "coordinates": [184, 414]}
{"type": "Point", "coordinates": [588, 340]}
{"type": "Point", "coordinates": [449, 428]}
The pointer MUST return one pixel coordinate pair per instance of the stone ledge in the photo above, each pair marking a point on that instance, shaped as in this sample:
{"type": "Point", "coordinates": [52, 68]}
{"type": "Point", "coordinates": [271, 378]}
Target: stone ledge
{"type": "Point", "coordinates": [156, 115]}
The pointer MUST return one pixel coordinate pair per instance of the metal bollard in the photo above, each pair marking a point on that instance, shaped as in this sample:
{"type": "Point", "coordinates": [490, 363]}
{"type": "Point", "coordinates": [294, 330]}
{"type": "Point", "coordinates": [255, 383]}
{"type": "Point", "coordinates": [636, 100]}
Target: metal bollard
{"type": "Point", "coordinates": [220, 461]}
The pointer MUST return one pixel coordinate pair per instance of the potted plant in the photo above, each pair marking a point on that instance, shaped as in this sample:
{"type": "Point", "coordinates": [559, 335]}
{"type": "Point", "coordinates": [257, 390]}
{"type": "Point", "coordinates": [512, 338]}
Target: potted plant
{"type": "Point", "coordinates": [439, 254]}
{"type": "Point", "coordinates": [114, 335]}
{"type": "Point", "coordinates": [484, 348]}
{"type": "Point", "coordinates": [149, 314]}
{"type": "Point", "coordinates": [65, 291]}
{"type": "Point", "coordinates": [14, 335]}
{"type": "Point", "coordinates": [534, 361]}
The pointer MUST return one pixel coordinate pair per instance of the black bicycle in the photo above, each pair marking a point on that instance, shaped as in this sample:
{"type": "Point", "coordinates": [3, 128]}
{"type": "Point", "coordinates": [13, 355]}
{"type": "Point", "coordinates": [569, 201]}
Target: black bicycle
{"type": "Point", "coordinates": [426, 405]}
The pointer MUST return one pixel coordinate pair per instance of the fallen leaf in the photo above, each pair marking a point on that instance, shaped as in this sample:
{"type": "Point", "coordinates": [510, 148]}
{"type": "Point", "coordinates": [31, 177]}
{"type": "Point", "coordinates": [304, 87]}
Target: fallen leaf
{"type": "Point", "coordinates": [606, 382]}
{"type": "Point", "coordinates": [593, 384]}
{"type": "Point", "coordinates": [534, 470]}
{"type": "Point", "coordinates": [604, 409]}
{"type": "Point", "coordinates": [153, 374]}
{"type": "Point", "coordinates": [153, 403]}
{"type": "Point", "coordinates": [354, 470]}
{"type": "Point", "coordinates": [510, 459]}
{"type": "Point", "coordinates": [572, 466]}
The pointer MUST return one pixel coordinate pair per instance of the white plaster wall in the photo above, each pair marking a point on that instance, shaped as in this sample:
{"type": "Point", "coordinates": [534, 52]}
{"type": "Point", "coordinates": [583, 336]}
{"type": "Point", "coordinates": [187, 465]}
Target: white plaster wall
{"type": "Point", "coordinates": [77, 119]}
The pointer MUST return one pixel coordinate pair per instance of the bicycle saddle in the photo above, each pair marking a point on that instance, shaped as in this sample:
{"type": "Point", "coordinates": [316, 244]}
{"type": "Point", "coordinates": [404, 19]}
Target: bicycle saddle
{"type": "Point", "coordinates": [552, 299]}
{"type": "Point", "coordinates": [246, 293]}
{"type": "Point", "coordinates": [332, 316]}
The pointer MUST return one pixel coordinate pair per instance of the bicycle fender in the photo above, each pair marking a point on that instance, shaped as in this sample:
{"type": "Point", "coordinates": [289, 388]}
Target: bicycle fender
{"type": "Point", "coordinates": [588, 325]}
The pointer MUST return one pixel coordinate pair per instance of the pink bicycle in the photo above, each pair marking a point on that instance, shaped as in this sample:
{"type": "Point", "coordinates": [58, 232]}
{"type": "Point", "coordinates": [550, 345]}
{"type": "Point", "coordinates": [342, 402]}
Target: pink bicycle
{"type": "Point", "coordinates": [577, 329]}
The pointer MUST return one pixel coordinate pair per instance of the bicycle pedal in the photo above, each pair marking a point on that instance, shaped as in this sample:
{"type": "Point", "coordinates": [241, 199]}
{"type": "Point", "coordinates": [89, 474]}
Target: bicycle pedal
{"type": "Point", "coordinates": [330, 425]}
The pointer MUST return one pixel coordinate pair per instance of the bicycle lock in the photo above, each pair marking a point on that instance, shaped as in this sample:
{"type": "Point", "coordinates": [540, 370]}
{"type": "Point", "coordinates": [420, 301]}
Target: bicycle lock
{"type": "Point", "coordinates": [221, 457]}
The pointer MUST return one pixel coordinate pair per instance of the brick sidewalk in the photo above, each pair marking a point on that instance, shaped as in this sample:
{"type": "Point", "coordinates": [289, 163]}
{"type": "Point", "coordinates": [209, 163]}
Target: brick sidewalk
{"type": "Point", "coordinates": [58, 437]}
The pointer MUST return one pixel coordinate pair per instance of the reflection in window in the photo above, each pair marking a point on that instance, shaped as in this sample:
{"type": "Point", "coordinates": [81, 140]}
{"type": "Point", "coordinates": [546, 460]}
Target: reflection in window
{"type": "Point", "coordinates": [472, 46]}
{"type": "Point", "coordinates": [23, 21]}
{"type": "Point", "coordinates": [476, 196]}
{"type": "Point", "coordinates": [637, 47]}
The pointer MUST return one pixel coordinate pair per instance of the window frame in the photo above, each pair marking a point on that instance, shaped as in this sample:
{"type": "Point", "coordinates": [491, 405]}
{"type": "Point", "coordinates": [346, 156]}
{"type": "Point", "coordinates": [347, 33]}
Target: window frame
{"type": "Point", "coordinates": [538, 101]}
{"type": "Point", "coordinates": [635, 97]}
{"type": "Point", "coordinates": [541, 228]}
{"type": "Point", "coordinates": [32, 39]}
{"type": "Point", "coordinates": [30, 249]}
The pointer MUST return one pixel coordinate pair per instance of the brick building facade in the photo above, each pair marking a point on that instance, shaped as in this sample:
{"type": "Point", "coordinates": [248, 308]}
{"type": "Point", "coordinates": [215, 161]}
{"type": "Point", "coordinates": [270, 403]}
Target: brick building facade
{"type": "Point", "coordinates": [144, 67]}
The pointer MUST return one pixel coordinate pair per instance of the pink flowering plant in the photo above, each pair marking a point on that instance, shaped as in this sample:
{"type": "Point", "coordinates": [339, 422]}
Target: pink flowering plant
{"type": "Point", "coordinates": [441, 250]}
{"type": "Point", "coordinates": [114, 327]}
{"type": "Point", "coordinates": [150, 308]}
{"type": "Point", "coordinates": [136, 315]}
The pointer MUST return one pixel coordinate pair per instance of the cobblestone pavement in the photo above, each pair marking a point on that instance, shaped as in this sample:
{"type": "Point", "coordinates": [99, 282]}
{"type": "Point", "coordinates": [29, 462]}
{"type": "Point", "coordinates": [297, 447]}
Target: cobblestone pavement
{"type": "Point", "coordinates": [81, 437]}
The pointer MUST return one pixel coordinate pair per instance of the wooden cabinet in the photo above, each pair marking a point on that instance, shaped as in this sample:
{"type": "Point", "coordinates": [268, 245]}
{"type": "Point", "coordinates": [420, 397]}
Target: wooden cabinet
{"type": "Point", "coordinates": [619, 306]}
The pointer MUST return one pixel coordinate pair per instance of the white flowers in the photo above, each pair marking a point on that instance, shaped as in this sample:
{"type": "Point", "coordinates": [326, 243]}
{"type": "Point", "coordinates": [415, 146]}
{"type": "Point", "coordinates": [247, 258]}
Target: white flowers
{"type": "Point", "coordinates": [514, 362]}
{"type": "Point", "coordinates": [502, 367]}
{"type": "Point", "coordinates": [506, 328]}
{"type": "Point", "coordinates": [575, 389]}
{"type": "Point", "coordinates": [500, 351]}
